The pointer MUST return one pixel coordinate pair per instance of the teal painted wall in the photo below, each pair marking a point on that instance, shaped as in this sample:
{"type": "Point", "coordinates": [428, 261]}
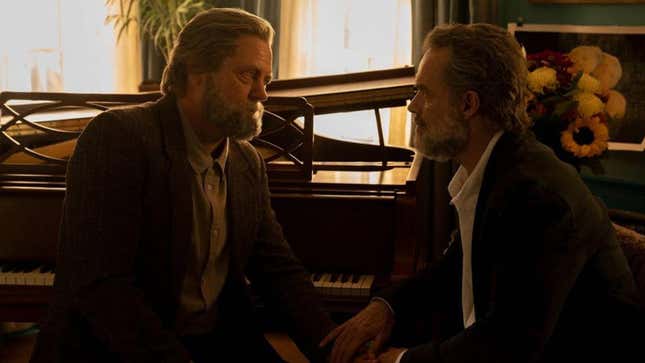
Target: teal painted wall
{"type": "Point", "coordinates": [601, 14]}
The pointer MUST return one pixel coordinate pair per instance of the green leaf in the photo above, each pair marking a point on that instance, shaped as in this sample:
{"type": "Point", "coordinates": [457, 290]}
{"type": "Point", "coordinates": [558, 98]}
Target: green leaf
{"type": "Point", "coordinates": [562, 107]}
{"type": "Point", "coordinates": [159, 20]}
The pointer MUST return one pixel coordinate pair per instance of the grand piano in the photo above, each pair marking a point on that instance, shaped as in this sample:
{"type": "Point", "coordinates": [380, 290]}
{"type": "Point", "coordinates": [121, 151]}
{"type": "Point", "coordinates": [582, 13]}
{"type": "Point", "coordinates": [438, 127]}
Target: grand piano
{"type": "Point", "coordinates": [347, 209]}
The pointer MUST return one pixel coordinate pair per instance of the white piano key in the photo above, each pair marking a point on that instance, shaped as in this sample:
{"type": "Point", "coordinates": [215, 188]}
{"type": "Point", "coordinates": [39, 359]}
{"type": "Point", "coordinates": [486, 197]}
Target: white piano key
{"type": "Point", "coordinates": [49, 278]}
{"type": "Point", "coordinates": [355, 287]}
{"type": "Point", "coordinates": [366, 285]}
{"type": "Point", "coordinates": [325, 284]}
{"type": "Point", "coordinates": [11, 273]}
{"type": "Point", "coordinates": [336, 287]}
{"type": "Point", "coordinates": [3, 278]}
{"type": "Point", "coordinates": [314, 281]}
{"type": "Point", "coordinates": [30, 274]}
{"type": "Point", "coordinates": [332, 284]}
{"type": "Point", "coordinates": [342, 285]}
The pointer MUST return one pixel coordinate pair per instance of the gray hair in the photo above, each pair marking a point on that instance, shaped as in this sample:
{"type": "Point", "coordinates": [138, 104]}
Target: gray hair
{"type": "Point", "coordinates": [488, 60]}
{"type": "Point", "coordinates": [209, 38]}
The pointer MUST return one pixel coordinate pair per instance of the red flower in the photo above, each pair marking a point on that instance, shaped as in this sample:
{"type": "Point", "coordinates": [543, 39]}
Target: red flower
{"type": "Point", "coordinates": [559, 61]}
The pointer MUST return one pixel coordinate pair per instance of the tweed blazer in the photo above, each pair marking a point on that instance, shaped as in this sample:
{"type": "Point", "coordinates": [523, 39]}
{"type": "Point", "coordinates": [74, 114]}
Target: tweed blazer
{"type": "Point", "coordinates": [550, 282]}
{"type": "Point", "coordinates": [125, 238]}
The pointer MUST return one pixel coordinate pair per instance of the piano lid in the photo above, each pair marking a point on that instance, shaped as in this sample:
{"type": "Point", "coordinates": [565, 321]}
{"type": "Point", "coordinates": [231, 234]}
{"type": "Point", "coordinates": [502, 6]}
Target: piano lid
{"type": "Point", "coordinates": [350, 91]}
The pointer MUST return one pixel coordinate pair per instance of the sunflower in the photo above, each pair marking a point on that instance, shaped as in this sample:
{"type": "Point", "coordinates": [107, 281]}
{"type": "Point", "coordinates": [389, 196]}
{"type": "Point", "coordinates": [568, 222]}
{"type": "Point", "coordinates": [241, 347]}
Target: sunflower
{"type": "Point", "coordinates": [586, 137]}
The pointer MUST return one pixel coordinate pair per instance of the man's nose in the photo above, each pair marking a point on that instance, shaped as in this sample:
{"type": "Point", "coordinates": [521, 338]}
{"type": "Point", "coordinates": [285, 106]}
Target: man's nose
{"type": "Point", "coordinates": [414, 104]}
{"type": "Point", "coordinates": [258, 92]}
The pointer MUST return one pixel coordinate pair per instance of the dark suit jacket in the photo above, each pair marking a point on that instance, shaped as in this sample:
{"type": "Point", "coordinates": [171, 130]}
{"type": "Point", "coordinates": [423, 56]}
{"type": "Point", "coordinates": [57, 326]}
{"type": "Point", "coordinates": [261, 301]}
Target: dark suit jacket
{"type": "Point", "coordinates": [125, 238]}
{"type": "Point", "coordinates": [550, 282]}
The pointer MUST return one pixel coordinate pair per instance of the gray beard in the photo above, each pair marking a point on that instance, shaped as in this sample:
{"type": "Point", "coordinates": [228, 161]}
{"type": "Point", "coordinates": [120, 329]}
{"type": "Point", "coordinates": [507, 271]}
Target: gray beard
{"type": "Point", "coordinates": [239, 122]}
{"type": "Point", "coordinates": [444, 144]}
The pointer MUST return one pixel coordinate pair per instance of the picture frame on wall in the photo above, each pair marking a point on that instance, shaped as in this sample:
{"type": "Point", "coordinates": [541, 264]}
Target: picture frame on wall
{"type": "Point", "coordinates": [625, 43]}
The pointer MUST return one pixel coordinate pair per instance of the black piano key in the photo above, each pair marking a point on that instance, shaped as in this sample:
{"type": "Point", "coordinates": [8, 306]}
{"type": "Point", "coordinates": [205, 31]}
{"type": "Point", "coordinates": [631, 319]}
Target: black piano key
{"type": "Point", "coordinates": [32, 266]}
{"type": "Point", "coordinates": [333, 277]}
{"type": "Point", "coordinates": [317, 276]}
{"type": "Point", "coordinates": [344, 278]}
{"type": "Point", "coordinates": [356, 278]}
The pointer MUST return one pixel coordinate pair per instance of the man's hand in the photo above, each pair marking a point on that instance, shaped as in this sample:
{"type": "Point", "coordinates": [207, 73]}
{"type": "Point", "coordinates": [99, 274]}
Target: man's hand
{"type": "Point", "coordinates": [390, 355]}
{"type": "Point", "coordinates": [372, 323]}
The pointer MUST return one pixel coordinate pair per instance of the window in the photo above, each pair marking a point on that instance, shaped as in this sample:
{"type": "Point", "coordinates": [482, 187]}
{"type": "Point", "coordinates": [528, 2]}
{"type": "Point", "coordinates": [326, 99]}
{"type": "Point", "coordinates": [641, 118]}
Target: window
{"type": "Point", "coordinates": [341, 36]}
{"type": "Point", "coordinates": [56, 45]}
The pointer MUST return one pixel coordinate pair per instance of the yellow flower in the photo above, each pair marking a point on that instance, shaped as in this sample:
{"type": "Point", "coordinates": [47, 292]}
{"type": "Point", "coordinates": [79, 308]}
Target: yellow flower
{"type": "Point", "coordinates": [588, 104]}
{"type": "Point", "coordinates": [585, 58]}
{"type": "Point", "coordinates": [586, 137]}
{"type": "Point", "coordinates": [588, 83]}
{"type": "Point", "coordinates": [543, 77]}
{"type": "Point", "coordinates": [608, 72]}
{"type": "Point", "coordinates": [616, 105]}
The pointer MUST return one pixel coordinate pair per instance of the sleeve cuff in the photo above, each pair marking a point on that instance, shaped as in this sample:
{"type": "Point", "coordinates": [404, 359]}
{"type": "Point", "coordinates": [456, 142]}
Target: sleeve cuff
{"type": "Point", "coordinates": [376, 298]}
{"type": "Point", "coordinates": [398, 359]}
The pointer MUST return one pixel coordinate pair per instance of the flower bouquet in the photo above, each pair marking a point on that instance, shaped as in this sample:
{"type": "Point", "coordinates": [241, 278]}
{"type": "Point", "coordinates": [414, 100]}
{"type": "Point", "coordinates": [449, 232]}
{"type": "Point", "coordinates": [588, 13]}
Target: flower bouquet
{"type": "Point", "coordinates": [572, 101]}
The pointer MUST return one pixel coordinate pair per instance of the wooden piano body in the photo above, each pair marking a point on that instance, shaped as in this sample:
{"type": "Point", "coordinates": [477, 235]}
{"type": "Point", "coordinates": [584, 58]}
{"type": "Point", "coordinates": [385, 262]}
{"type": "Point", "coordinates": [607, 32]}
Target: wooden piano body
{"type": "Point", "coordinates": [342, 212]}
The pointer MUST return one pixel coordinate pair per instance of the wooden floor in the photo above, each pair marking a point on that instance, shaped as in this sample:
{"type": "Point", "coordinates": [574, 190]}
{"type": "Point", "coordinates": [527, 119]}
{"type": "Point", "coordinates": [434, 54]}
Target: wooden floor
{"type": "Point", "coordinates": [18, 349]}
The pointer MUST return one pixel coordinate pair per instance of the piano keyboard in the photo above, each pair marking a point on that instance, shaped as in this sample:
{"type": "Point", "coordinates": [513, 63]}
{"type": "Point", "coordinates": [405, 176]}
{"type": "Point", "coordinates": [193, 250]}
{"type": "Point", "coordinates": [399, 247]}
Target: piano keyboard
{"type": "Point", "coordinates": [327, 284]}
{"type": "Point", "coordinates": [26, 274]}
{"type": "Point", "coordinates": [350, 285]}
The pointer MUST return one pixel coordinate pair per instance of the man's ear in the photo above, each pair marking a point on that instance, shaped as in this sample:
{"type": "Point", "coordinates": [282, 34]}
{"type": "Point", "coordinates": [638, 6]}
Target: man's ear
{"type": "Point", "coordinates": [195, 85]}
{"type": "Point", "coordinates": [469, 103]}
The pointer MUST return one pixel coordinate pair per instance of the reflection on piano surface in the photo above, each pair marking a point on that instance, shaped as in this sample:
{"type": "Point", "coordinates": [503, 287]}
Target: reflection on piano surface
{"type": "Point", "coordinates": [347, 209]}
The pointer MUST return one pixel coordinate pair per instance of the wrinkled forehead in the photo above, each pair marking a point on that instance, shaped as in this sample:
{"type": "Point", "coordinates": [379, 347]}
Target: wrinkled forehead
{"type": "Point", "coordinates": [433, 66]}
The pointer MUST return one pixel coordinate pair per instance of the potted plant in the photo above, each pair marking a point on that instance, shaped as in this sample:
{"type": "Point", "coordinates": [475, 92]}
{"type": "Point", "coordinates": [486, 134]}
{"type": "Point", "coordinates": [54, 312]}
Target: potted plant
{"type": "Point", "coordinates": [160, 22]}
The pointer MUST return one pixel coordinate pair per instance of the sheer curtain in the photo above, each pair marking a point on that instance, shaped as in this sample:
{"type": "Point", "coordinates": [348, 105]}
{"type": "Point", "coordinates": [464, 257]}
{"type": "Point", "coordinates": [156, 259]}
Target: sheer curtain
{"type": "Point", "coordinates": [61, 45]}
{"type": "Point", "coordinates": [338, 36]}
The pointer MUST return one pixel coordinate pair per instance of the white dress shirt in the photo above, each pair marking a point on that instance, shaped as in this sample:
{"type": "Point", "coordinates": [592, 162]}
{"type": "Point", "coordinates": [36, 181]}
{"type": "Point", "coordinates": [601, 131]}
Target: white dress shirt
{"type": "Point", "coordinates": [464, 190]}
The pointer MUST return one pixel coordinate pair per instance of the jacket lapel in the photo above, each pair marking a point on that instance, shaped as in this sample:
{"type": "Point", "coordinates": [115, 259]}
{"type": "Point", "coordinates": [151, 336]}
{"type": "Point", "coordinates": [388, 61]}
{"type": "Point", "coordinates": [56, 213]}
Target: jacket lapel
{"type": "Point", "coordinates": [241, 203]}
{"type": "Point", "coordinates": [179, 173]}
{"type": "Point", "coordinates": [500, 161]}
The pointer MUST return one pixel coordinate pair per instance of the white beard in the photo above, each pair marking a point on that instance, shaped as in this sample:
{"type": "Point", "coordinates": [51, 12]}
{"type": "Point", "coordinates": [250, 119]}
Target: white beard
{"type": "Point", "coordinates": [442, 139]}
{"type": "Point", "coordinates": [240, 122]}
